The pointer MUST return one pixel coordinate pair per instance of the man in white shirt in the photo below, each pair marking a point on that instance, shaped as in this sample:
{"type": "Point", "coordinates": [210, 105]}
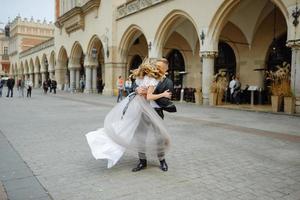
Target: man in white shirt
{"type": "Point", "coordinates": [231, 87]}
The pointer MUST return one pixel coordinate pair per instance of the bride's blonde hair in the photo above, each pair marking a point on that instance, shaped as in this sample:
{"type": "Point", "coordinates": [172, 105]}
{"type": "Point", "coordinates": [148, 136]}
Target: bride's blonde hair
{"type": "Point", "coordinates": [149, 68]}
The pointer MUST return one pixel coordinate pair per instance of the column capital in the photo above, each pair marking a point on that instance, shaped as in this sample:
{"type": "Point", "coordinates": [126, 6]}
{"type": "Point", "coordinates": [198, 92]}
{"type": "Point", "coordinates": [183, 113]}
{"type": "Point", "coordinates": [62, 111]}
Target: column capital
{"type": "Point", "coordinates": [73, 65]}
{"type": "Point", "coordinates": [88, 66]}
{"type": "Point", "coordinates": [208, 54]}
{"type": "Point", "coordinates": [294, 44]}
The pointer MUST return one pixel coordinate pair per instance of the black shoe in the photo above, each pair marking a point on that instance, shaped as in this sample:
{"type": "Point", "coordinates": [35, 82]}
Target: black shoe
{"type": "Point", "coordinates": [163, 165]}
{"type": "Point", "coordinates": [142, 165]}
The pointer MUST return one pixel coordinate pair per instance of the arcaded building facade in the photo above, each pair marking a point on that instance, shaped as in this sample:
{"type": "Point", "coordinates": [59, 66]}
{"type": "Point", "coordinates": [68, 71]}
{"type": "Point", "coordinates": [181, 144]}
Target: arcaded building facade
{"type": "Point", "coordinates": [102, 39]}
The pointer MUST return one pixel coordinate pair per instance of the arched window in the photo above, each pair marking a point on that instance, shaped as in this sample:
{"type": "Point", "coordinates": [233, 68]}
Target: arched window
{"type": "Point", "coordinates": [226, 59]}
{"type": "Point", "coordinates": [176, 65]}
{"type": "Point", "coordinates": [135, 62]}
{"type": "Point", "coordinates": [278, 53]}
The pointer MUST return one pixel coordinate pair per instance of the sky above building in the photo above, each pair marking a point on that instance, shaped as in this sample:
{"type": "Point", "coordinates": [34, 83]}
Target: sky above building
{"type": "Point", "coordinates": [38, 9]}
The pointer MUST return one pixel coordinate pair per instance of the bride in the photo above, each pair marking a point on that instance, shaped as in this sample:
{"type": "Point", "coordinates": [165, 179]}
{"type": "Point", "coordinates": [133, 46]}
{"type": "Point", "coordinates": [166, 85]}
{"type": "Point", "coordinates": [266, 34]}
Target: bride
{"type": "Point", "coordinates": [133, 124]}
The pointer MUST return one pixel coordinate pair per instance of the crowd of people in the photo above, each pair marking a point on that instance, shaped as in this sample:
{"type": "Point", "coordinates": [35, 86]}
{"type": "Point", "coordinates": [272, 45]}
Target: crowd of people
{"type": "Point", "coordinates": [23, 85]}
{"type": "Point", "coordinates": [127, 87]}
{"type": "Point", "coordinates": [50, 85]}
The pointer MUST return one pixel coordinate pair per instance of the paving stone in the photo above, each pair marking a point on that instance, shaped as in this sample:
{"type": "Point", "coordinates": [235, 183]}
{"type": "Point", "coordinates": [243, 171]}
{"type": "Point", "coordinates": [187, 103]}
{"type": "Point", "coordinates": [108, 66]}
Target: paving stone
{"type": "Point", "coordinates": [215, 154]}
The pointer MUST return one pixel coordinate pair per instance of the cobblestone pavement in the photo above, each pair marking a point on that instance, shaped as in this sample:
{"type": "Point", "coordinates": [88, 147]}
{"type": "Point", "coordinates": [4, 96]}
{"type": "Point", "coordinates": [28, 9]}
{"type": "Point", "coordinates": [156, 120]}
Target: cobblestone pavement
{"type": "Point", "coordinates": [216, 153]}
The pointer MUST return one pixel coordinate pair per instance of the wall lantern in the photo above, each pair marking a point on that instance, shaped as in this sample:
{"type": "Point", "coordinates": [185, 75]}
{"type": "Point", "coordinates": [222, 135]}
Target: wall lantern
{"type": "Point", "coordinates": [94, 53]}
{"type": "Point", "coordinates": [202, 37]}
{"type": "Point", "coordinates": [150, 46]}
{"type": "Point", "coordinates": [296, 14]}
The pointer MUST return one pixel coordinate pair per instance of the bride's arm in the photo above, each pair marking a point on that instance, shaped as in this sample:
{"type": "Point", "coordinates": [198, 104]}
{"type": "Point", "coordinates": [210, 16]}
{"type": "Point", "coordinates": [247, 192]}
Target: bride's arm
{"type": "Point", "coordinates": [151, 96]}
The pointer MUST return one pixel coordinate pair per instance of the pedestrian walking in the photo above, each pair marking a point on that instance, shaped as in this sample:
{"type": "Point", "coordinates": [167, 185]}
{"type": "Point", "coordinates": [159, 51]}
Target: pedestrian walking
{"type": "Point", "coordinates": [82, 85]}
{"type": "Point", "coordinates": [10, 86]}
{"type": "Point", "coordinates": [45, 86]}
{"type": "Point", "coordinates": [128, 86]}
{"type": "Point", "coordinates": [53, 85]}
{"type": "Point", "coordinates": [1, 85]}
{"type": "Point", "coordinates": [21, 86]}
{"type": "Point", "coordinates": [120, 86]}
{"type": "Point", "coordinates": [28, 86]}
{"type": "Point", "coordinates": [49, 85]}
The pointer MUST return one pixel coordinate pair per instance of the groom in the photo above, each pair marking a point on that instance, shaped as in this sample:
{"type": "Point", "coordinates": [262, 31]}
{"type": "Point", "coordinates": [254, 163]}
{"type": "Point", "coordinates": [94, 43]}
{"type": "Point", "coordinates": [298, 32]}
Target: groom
{"type": "Point", "coordinates": [163, 104]}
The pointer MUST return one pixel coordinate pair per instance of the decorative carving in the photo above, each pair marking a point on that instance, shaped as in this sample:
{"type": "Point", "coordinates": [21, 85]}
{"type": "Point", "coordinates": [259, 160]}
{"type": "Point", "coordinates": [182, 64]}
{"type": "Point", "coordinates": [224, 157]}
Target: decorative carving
{"type": "Point", "coordinates": [74, 18]}
{"type": "Point", "coordinates": [74, 23]}
{"type": "Point", "coordinates": [145, 4]}
{"type": "Point", "coordinates": [293, 43]}
{"type": "Point", "coordinates": [208, 54]}
{"type": "Point", "coordinates": [134, 6]}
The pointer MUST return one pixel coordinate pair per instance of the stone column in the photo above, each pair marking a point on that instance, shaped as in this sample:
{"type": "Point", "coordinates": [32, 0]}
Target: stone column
{"type": "Point", "coordinates": [94, 79]}
{"type": "Point", "coordinates": [207, 73]}
{"type": "Point", "coordinates": [109, 87]}
{"type": "Point", "coordinates": [60, 73]}
{"type": "Point", "coordinates": [72, 80]}
{"type": "Point", "coordinates": [51, 75]}
{"type": "Point", "coordinates": [88, 79]}
{"type": "Point", "coordinates": [31, 77]}
{"type": "Point", "coordinates": [295, 74]}
{"type": "Point", "coordinates": [77, 74]}
{"type": "Point", "coordinates": [43, 77]}
{"type": "Point", "coordinates": [36, 80]}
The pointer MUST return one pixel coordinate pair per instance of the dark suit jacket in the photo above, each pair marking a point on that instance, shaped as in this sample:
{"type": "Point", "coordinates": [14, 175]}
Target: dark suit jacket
{"type": "Point", "coordinates": [165, 103]}
{"type": "Point", "coordinates": [10, 83]}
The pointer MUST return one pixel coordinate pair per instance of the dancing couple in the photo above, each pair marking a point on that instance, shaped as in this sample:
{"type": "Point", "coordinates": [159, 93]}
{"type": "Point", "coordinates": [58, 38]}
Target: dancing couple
{"type": "Point", "coordinates": [136, 123]}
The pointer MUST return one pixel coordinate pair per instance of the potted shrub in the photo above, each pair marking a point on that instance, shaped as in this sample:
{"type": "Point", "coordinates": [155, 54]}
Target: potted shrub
{"type": "Point", "coordinates": [218, 88]}
{"type": "Point", "coordinates": [213, 93]}
{"type": "Point", "coordinates": [198, 96]}
{"type": "Point", "coordinates": [288, 97]}
{"type": "Point", "coordinates": [280, 87]}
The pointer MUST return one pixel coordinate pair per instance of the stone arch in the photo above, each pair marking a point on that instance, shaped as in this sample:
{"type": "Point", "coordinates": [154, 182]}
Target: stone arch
{"type": "Point", "coordinates": [220, 19]}
{"type": "Point", "coordinates": [132, 33]}
{"type": "Point", "coordinates": [52, 61]}
{"type": "Point", "coordinates": [16, 69]}
{"type": "Point", "coordinates": [26, 67]}
{"type": "Point", "coordinates": [178, 31]}
{"type": "Point", "coordinates": [44, 63]}
{"type": "Point", "coordinates": [76, 53]}
{"type": "Point", "coordinates": [62, 74]}
{"type": "Point", "coordinates": [62, 56]}
{"type": "Point", "coordinates": [168, 26]}
{"type": "Point", "coordinates": [96, 43]}
{"type": "Point", "coordinates": [31, 66]}
{"type": "Point", "coordinates": [95, 56]}
{"type": "Point", "coordinates": [233, 36]}
{"type": "Point", "coordinates": [37, 65]}
{"type": "Point", "coordinates": [22, 68]}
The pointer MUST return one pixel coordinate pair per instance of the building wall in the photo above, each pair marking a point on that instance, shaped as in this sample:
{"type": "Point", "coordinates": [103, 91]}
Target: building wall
{"type": "Point", "coordinates": [194, 28]}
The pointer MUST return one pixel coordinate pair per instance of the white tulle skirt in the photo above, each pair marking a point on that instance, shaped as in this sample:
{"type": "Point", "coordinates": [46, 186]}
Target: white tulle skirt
{"type": "Point", "coordinates": [131, 125]}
